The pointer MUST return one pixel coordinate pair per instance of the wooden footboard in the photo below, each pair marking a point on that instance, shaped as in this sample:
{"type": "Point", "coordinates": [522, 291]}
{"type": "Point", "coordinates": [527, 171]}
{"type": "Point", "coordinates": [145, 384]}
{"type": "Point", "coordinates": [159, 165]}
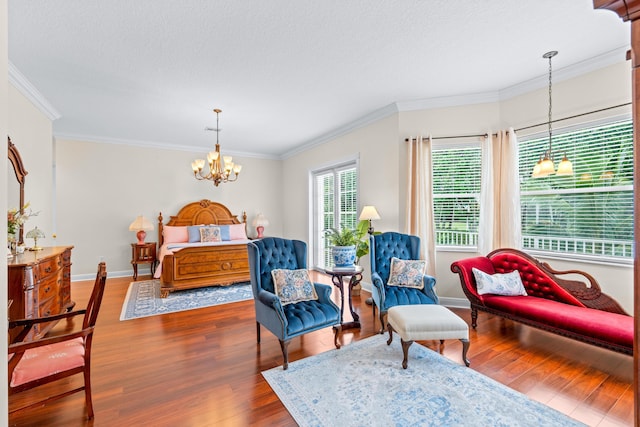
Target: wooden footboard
{"type": "Point", "coordinates": [204, 266]}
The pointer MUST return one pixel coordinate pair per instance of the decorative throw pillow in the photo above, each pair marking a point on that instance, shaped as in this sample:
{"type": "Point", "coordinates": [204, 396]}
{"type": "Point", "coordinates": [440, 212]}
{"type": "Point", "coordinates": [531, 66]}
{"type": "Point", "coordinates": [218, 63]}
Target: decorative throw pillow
{"type": "Point", "coordinates": [194, 233]}
{"type": "Point", "coordinates": [210, 234]}
{"type": "Point", "coordinates": [237, 232]}
{"type": "Point", "coordinates": [293, 285]}
{"type": "Point", "coordinates": [507, 284]}
{"type": "Point", "coordinates": [175, 234]}
{"type": "Point", "coordinates": [225, 233]}
{"type": "Point", "coordinates": [407, 273]}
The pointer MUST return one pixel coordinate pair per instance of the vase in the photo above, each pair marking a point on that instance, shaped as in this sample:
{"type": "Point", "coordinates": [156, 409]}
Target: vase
{"type": "Point", "coordinates": [343, 256]}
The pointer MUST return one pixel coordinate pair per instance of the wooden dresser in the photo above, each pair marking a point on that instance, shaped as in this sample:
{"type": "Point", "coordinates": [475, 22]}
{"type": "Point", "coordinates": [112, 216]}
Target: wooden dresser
{"type": "Point", "coordinates": [39, 284]}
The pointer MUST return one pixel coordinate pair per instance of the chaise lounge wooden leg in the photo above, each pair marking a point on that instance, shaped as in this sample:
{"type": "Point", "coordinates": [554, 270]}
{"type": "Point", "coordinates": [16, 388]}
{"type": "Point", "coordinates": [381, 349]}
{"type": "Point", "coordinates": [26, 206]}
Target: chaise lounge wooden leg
{"type": "Point", "coordinates": [284, 345]}
{"type": "Point", "coordinates": [474, 318]}
{"type": "Point", "coordinates": [258, 332]}
{"type": "Point", "coordinates": [465, 348]}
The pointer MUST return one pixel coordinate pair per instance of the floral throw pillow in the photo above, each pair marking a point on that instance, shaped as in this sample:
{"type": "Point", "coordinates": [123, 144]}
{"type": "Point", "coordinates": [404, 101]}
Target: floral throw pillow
{"type": "Point", "coordinates": [407, 273]}
{"type": "Point", "coordinates": [293, 285]}
{"type": "Point", "coordinates": [507, 284]}
{"type": "Point", "coordinates": [210, 234]}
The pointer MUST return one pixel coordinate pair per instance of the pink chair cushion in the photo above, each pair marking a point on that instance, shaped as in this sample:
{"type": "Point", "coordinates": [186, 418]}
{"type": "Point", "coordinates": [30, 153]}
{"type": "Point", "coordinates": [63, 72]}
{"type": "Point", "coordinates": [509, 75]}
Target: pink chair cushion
{"type": "Point", "coordinates": [47, 360]}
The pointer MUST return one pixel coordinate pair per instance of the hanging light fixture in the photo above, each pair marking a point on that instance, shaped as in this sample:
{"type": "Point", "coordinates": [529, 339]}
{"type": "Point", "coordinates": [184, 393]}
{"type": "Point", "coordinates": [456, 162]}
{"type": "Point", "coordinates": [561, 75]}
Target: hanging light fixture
{"type": "Point", "coordinates": [545, 166]}
{"type": "Point", "coordinates": [221, 168]}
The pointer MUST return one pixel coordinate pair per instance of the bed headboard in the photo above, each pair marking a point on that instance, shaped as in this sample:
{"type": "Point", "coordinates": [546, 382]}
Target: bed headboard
{"type": "Point", "coordinates": [202, 212]}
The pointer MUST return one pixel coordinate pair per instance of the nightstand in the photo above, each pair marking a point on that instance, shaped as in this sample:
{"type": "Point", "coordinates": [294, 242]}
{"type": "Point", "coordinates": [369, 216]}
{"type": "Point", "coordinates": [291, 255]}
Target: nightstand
{"type": "Point", "coordinates": [143, 254]}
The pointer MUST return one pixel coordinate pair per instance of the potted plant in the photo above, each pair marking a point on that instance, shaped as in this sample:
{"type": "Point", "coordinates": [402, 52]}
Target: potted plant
{"type": "Point", "coordinates": [343, 246]}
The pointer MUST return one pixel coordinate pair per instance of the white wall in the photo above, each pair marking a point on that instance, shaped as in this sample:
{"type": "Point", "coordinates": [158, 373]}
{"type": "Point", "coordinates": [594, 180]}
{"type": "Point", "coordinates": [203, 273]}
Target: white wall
{"type": "Point", "coordinates": [31, 132]}
{"type": "Point", "coordinates": [102, 187]}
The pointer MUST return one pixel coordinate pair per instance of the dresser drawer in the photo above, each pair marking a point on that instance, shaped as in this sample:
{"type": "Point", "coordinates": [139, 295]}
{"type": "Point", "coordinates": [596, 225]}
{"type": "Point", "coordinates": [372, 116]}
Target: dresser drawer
{"type": "Point", "coordinates": [49, 287]}
{"type": "Point", "coordinates": [49, 307]}
{"type": "Point", "coordinates": [48, 267]}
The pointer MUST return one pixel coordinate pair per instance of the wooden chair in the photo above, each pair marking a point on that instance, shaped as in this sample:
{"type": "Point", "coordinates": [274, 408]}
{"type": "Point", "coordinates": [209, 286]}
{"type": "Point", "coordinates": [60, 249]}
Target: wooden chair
{"type": "Point", "coordinates": [42, 361]}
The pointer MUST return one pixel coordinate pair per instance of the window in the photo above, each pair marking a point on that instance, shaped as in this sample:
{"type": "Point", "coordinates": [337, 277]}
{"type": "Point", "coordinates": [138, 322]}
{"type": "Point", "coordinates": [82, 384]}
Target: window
{"type": "Point", "coordinates": [456, 194]}
{"type": "Point", "coordinates": [591, 212]}
{"type": "Point", "coordinates": [335, 205]}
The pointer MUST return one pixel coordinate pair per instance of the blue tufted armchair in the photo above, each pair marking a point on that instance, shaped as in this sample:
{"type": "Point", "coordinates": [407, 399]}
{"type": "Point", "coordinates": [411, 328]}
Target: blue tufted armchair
{"type": "Point", "coordinates": [403, 246]}
{"type": "Point", "coordinates": [290, 320]}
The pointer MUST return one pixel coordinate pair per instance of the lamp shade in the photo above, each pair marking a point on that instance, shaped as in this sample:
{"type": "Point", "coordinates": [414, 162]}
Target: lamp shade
{"type": "Point", "coordinates": [141, 223]}
{"type": "Point", "coordinates": [260, 220]}
{"type": "Point", "coordinates": [369, 212]}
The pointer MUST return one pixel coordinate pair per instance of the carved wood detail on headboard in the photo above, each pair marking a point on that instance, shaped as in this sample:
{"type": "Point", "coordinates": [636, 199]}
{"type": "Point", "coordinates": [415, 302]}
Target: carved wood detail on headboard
{"type": "Point", "coordinates": [204, 212]}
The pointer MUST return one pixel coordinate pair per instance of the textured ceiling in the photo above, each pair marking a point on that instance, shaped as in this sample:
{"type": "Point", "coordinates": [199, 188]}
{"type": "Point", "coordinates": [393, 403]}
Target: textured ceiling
{"type": "Point", "coordinates": [284, 72]}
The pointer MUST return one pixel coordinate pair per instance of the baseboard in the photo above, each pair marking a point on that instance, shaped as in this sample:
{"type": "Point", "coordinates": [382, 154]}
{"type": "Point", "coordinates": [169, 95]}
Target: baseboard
{"type": "Point", "coordinates": [454, 302]}
{"type": "Point", "coordinates": [110, 274]}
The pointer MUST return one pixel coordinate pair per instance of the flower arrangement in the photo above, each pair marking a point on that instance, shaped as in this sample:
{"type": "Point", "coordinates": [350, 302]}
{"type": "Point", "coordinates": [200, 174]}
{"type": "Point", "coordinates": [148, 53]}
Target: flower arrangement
{"type": "Point", "coordinates": [17, 217]}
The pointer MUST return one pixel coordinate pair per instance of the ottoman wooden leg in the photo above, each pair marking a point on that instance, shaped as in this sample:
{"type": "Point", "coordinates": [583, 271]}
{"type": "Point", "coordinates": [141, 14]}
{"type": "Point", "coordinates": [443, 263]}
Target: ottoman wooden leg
{"type": "Point", "coordinates": [390, 328]}
{"type": "Point", "coordinates": [405, 351]}
{"type": "Point", "coordinates": [465, 348]}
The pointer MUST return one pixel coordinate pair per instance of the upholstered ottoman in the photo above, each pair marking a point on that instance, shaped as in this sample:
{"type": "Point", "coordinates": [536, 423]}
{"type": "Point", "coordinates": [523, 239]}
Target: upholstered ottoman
{"type": "Point", "coordinates": [425, 322]}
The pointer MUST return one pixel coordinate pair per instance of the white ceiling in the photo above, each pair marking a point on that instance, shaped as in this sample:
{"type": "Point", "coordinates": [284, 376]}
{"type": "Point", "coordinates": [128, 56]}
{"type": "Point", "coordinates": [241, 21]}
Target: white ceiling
{"type": "Point", "coordinates": [286, 73]}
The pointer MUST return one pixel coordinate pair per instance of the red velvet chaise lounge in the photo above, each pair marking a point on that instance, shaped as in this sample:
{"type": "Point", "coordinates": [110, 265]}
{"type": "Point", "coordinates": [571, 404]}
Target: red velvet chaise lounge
{"type": "Point", "coordinates": [565, 307]}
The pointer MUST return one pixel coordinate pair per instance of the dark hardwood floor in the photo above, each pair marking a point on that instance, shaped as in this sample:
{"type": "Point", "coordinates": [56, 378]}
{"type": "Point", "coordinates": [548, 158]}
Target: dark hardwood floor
{"type": "Point", "coordinates": [202, 368]}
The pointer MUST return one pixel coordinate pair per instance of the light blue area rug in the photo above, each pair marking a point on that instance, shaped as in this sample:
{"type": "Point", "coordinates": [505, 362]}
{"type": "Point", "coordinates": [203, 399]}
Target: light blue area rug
{"type": "Point", "coordinates": [143, 298]}
{"type": "Point", "coordinates": [363, 384]}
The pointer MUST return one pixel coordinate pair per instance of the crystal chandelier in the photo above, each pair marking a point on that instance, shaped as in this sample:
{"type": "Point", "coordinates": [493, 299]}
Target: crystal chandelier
{"type": "Point", "coordinates": [221, 168]}
{"type": "Point", "coordinates": [545, 166]}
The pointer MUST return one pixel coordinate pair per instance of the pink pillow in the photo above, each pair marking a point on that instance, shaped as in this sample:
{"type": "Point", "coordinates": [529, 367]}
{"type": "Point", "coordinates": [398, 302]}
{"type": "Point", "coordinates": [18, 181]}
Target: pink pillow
{"type": "Point", "coordinates": [173, 234]}
{"type": "Point", "coordinates": [237, 232]}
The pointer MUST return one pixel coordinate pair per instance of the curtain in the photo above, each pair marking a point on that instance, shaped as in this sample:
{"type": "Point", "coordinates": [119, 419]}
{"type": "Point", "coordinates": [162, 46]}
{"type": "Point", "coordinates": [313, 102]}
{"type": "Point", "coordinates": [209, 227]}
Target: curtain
{"type": "Point", "coordinates": [500, 218]}
{"type": "Point", "coordinates": [419, 210]}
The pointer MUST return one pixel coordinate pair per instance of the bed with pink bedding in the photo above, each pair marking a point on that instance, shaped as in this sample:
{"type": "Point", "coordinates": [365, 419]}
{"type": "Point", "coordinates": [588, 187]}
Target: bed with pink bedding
{"type": "Point", "coordinates": [203, 245]}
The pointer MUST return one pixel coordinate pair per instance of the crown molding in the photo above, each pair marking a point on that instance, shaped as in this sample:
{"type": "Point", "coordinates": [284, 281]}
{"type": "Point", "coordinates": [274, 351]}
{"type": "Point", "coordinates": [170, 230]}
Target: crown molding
{"type": "Point", "coordinates": [448, 101]}
{"type": "Point", "coordinates": [24, 86]}
{"type": "Point", "coordinates": [363, 121]}
{"type": "Point", "coordinates": [154, 145]}
{"type": "Point", "coordinates": [592, 64]}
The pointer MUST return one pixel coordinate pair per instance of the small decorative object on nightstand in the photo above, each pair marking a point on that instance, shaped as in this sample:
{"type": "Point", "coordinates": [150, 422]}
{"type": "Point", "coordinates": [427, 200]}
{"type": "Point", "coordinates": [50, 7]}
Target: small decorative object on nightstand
{"type": "Point", "coordinates": [144, 253]}
{"type": "Point", "coordinates": [140, 224]}
{"type": "Point", "coordinates": [35, 234]}
{"type": "Point", "coordinates": [260, 222]}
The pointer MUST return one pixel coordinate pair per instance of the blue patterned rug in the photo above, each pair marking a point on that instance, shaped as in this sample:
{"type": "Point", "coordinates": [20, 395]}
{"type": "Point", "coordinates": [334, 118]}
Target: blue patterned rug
{"type": "Point", "coordinates": [143, 298]}
{"type": "Point", "coordinates": [363, 384]}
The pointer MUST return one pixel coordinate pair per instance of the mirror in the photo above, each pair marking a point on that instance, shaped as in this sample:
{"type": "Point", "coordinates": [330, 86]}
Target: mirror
{"type": "Point", "coordinates": [15, 188]}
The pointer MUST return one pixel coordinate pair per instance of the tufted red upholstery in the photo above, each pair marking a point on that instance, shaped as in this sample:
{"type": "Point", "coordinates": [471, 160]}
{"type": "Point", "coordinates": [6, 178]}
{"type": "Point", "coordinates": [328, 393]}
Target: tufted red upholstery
{"type": "Point", "coordinates": [535, 281]}
{"type": "Point", "coordinates": [547, 306]}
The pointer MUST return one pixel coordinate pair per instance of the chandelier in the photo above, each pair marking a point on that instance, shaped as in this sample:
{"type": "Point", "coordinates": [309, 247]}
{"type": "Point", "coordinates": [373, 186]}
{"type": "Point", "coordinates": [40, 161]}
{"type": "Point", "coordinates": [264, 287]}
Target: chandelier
{"type": "Point", "coordinates": [545, 166]}
{"type": "Point", "coordinates": [221, 168]}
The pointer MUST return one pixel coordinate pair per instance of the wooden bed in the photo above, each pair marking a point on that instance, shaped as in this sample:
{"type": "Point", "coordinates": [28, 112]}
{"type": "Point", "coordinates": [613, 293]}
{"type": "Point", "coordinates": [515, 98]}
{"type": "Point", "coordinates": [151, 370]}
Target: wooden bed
{"type": "Point", "coordinates": [202, 266]}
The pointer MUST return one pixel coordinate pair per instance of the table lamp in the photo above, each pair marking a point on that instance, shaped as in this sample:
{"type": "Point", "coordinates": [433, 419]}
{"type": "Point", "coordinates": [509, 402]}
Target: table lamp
{"type": "Point", "coordinates": [140, 224]}
{"type": "Point", "coordinates": [369, 213]}
{"type": "Point", "coordinates": [35, 234]}
{"type": "Point", "coordinates": [259, 222]}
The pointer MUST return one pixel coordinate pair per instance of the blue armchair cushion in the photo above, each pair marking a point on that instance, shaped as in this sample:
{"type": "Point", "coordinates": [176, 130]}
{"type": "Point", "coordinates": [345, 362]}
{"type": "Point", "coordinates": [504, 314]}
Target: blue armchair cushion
{"type": "Point", "coordinates": [408, 273]}
{"type": "Point", "coordinates": [293, 285]}
{"type": "Point", "coordinates": [307, 315]}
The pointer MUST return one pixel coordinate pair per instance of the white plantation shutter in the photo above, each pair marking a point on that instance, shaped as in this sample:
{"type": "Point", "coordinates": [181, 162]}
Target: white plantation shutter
{"type": "Point", "coordinates": [335, 205]}
{"type": "Point", "coordinates": [456, 194]}
{"type": "Point", "coordinates": [591, 212]}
